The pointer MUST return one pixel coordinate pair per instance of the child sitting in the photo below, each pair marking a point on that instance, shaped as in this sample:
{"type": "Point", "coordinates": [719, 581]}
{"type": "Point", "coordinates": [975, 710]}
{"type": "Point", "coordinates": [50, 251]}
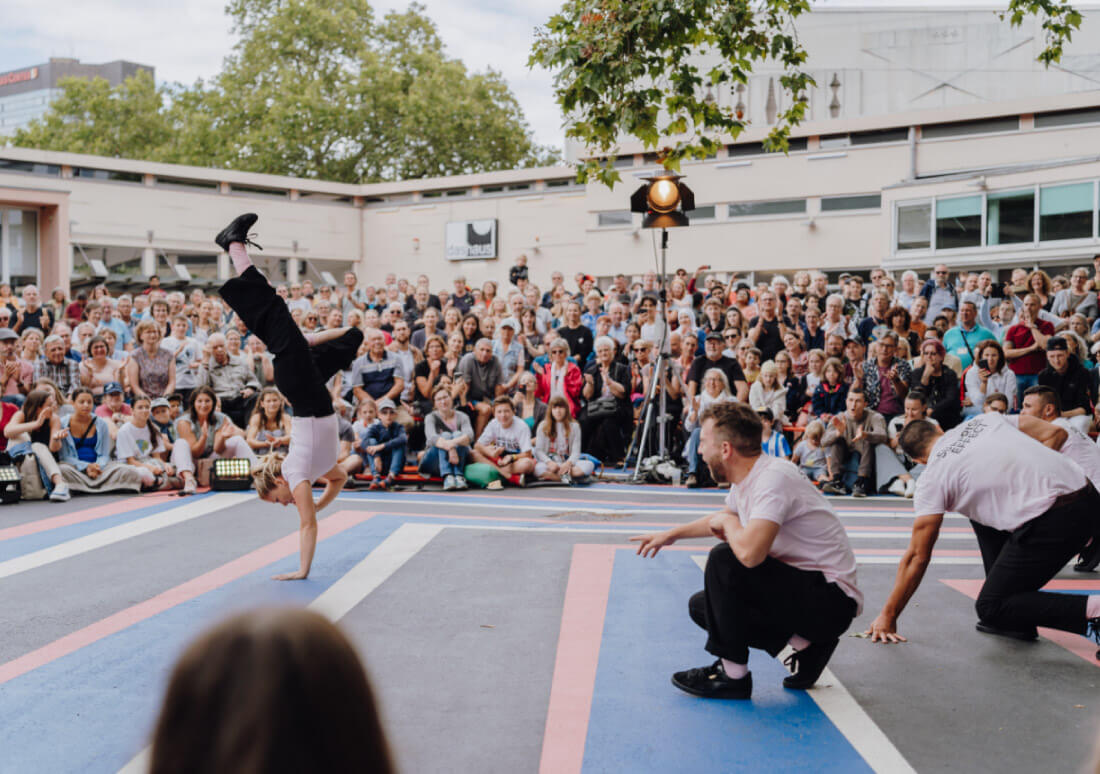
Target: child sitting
{"type": "Point", "coordinates": [808, 455]}
{"type": "Point", "coordinates": [383, 444]}
{"type": "Point", "coordinates": [773, 443]}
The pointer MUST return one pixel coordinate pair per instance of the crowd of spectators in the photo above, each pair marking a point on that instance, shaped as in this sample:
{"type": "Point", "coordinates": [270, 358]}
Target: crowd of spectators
{"type": "Point", "coordinates": [516, 382]}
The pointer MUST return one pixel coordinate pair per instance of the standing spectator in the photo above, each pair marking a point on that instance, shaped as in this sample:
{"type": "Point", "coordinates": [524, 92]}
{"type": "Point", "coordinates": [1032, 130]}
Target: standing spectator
{"type": "Point", "coordinates": [939, 293]}
{"type": "Point", "coordinates": [448, 435]}
{"type": "Point", "coordinates": [518, 273]}
{"type": "Point", "coordinates": [854, 433]}
{"type": "Point", "coordinates": [561, 377]}
{"type": "Point", "coordinates": [57, 366]}
{"type": "Point", "coordinates": [484, 379]}
{"type": "Point", "coordinates": [939, 384]}
{"type": "Point", "coordinates": [885, 378]}
{"type": "Point", "coordinates": [352, 297]}
{"type": "Point", "coordinates": [1025, 343]}
{"type": "Point", "coordinates": [766, 333]}
{"type": "Point", "coordinates": [383, 445]}
{"type": "Point", "coordinates": [989, 374]}
{"type": "Point", "coordinates": [576, 334]}
{"type": "Point", "coordinates": [1068, 378]}
{"type": "Point", "coordinates": [963, 340]}
{"type": "Point", "coordinates": [606, 378]}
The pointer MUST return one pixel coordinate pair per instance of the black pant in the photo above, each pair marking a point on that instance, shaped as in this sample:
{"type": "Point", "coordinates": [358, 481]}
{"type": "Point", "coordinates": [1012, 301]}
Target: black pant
{"type": "Point", "coordinates": [239, 408]}
{"type": "Point", "coordinates": [762, 607]}
{"type": "Point", "coordinates": [301, 371]}
{"type": "Point", "coordinates": [1027, 558]}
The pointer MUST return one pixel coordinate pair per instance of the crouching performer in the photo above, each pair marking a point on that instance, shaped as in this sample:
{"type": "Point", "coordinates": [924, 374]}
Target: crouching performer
{"type": "Point", "coordinates": [783, 574]}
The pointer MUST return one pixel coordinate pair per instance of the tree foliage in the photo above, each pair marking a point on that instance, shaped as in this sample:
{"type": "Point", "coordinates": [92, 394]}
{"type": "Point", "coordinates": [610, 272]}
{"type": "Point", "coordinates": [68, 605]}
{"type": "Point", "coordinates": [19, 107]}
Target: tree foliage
{"type": "Point", "coordinates": [313, 88]}
{"type": "Point", "coordinates": [633, 68]}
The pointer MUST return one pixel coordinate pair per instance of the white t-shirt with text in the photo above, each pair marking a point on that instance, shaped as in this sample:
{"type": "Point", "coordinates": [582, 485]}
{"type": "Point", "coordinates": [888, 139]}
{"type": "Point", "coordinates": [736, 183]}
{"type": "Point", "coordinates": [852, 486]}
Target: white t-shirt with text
{"type": "Point", "coordinates": [514, 438]}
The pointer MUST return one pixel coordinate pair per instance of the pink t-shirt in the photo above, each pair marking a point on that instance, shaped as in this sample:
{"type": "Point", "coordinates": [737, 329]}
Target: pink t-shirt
{"type": "Point", "coordinates": [1078, 447]}
{"type": "Point", "coordinates": [810, 536]}
{"type": "Point", "coordinates": [991, 473]}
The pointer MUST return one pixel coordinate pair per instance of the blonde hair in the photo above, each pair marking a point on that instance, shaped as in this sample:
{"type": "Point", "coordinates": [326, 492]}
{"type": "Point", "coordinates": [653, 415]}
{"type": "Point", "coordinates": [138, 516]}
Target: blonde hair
{"type": "Point", "coordinates": [268, 468]}
{"type": "Point", "coordinates": [815, 430]}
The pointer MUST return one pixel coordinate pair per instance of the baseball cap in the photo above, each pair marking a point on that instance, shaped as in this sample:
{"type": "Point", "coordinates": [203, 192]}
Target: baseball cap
{"type": "Point", "coordinates": [159, 403]}
{"type": "Point", "coordinates": [7, 334]}
{"type": "Point", "coordinates": [1057, 343]}
{"type": "Point", "coordinates": [384, 404]}
{"type": "Point", "coordinates": [714, 336]}
{"type": "Point", "coordinates": [112, 388]}
{"type": "Point", "coordinates": [507, 323]}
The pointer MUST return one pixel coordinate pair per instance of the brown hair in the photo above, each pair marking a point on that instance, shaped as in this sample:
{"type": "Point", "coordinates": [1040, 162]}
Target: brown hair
{"type": "Point", "coordinates": [736, 424]}
{"type": "Point", "coordinates": [269, 691]}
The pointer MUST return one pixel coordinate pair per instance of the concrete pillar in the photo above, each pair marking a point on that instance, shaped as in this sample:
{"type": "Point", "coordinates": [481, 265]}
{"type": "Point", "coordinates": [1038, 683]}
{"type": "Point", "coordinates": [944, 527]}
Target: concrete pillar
{"type": "Point", "coordinates": [223, 266]}
{"type": "Point", "coordinates": [148, 262]}
{"type": "Point", "coordinates": [293, 269]}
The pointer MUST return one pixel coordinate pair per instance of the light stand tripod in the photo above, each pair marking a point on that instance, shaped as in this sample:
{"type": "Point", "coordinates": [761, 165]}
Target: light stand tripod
{"type": "Point", "coordinates": [660, 371]}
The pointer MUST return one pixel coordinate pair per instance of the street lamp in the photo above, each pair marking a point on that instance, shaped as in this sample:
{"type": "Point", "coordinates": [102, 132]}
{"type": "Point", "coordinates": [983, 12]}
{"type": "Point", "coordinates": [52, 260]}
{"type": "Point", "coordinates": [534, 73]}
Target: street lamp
{"type": "Point", "coordinates": [665, 202]}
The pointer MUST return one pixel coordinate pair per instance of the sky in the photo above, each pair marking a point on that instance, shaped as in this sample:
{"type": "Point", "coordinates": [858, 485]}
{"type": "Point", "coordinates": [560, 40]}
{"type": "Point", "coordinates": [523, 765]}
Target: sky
{"type": "Point", "coordinates": [187, 39]}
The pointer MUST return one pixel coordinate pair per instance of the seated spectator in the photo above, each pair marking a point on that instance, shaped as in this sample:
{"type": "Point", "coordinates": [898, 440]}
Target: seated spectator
{"type": "Point", "coordinates": [558, 446]}
{"type": "Point", "coordinates": [7, 411]}
{"type": "Point", "coordinates": [506, 444]}
{"type": "Point", "coordinates": [850, 439]}
{"type": "Point", "coordinates": [377, 374]}
{"type": "Point", "coordinates": [114, 408]}
{"type": "Point", "coordinates": [995, 401]}
{"type": "Point", "coordinates": [809, 455]}
{"type": "Point", "coordinates": [713, 357]}
{"type": "Point", "coordinates": [963, 340]}
{"type": "Point", "coordinates": [98, 369]}
{"type": "Point", "coordinates": [36, 430]}
{"type": "Point", "coordinates": [483, 377]}
{"type": "Point", "coordinates": [203, 433]}
{"type": "Point", "coordinates": [187, 354]}
{"type": "Point", "coordinates": [768, 393]}
{"type": "Point", "coordinates": [989, 374]}
{"type": "Point", "coordinates": [268, 428]}
{"type": "Point", "coordinates": [715, 390]}
{"type": "Point", "coordinates": [1025, 342]}
{"type": "Point", "coordinates": [16, 374]}
{"type": "Point", "coordinates": [85, 455]}
{"type": "Point", "coordinates": [830, 395]}
{"type": "Point", "coordinates": [231, 380]}
{"type": "Point", "coordinates": [1068, 378]}
{"type": "Point", "coordinates": [606, 379]}
{"type": "Point", "coordinates": [448, 436]}
{"type": "Point", "coordinates": [884, 377]}
{"type": "Point", "coordinates": [57, 366]}
{"type": "Point", "coordinates": [773, 443]}
{"type": "Point", "coordinates": [1077, 298]}
{"type": "Point", "coordinates": [529, 409]}
{"type": "Point", "coordinates": [939, 384]}
{"type": "Point", "coordinates": [896, 473]}
{"type": "Point", "coordinates": [576, 334]}
{"type": "Point", "coordinates": [273, 690]}
{"type": "Point", "coordinates": [140, 445]}
{"type": "Point", "coordinates": [561, 377]}
{"type": "Point", "coordinates": [383, 446]}
{"type": "Point", "coordinates": [900, 323]}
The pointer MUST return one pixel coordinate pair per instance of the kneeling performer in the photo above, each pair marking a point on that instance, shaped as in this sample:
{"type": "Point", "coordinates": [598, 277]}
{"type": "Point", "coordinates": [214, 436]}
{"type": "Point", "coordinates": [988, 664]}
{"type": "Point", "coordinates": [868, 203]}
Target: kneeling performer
{"type": "Point", "coordinates": [1015, 486]}
{"type": "Point", "coordinates": [784, 573]}
{"type": "Point", "coordinates": [302, 367]}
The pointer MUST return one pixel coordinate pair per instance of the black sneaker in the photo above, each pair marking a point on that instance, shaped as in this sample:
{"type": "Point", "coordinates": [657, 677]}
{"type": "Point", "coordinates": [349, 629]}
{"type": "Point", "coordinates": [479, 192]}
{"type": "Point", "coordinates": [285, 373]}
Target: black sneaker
{"type": "Point", "coordinates": [1089, 558]}
{"type": "Point", "coordinates": [806, 665]}
{"type": "Point", "coordinates": [1093, 633]}
{"type": "Point", "coordinates": [692, 481]}
{"type": "Point", "coordinates": [237, 231]}
{"type": "Point", "coordinates": [1026, 635]}
{"type": "Point", "coordinates": [711, 682]}
{"type": "Point", "coordinates": [859, 488]}
{"type": "Point", "coordinates": [834, 487]}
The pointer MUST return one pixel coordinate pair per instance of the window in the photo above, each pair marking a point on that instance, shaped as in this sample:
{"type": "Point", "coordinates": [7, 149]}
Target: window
{"type": "Point", "coordinates": [1065, 212]}
{"type": "Point", "coordinates": [1009, 217]}
{"type": "Point", "coordinates": [624, 161]}
{"type": "Point", "coordinates": [779, 207]}
{"type": "Point", "coordinates": [832, 141]}
{"type": "Point", "coordinates": [107, 174]}
{"type": "Point", "coordinates": [568, 182]}
{"type": "Point", "coordinates": [180, 182]}
{"type": "Point", "coordinates": [958, 222]}
{"type": "Point", "coordinates": [863, 202]}
{"type": "Point", "coordinates": [457, 192]}
{"type": "Point", "coordinates": [897, 134]}
{"type": "Point", "coordinates": [757, 148]}
{"type": "Point", "coordinates": [492, 189]}
{"type": "Point", "coordinates": [915, 226]}
{"type": "Point", "coordinates": [11, 165]}
{"type": "Point", "coordinates": [431, 195]}
{"type": "Point", "coordinates": [703, 213]}
{"type": "Point", "coordinates": [247, 190]}
{"type": "Point", "coordinates": [616, 218]}
{"type": "Point", "coordinates": [520, 187]}
{"type": "Point", "coordinates": [1067, 118]}
{"type": "Point", "coordinates": [963, 128]}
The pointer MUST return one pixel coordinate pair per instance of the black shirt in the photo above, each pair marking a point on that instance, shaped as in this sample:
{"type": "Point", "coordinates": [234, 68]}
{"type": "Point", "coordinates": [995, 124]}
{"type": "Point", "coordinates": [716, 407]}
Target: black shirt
{"type": "Point", "coordinates": [1073, 386]}
{"type": "Point", "coordinates": [770, 341]}
{"type": "Point", "coordinates": [580, 341]}
{"type": "Point", "coordinates": [727, 365]}
{"type": "Point", "coordinates": [39, 318]}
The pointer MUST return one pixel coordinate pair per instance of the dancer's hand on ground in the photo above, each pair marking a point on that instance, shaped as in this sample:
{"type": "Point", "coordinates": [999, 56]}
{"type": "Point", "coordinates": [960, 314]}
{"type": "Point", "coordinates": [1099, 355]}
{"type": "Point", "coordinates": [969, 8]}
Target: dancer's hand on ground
{"type": "Point", "coordinates": [884, 629]}
{"type": "Point", "coordinates": [650, 544]}
{"type": "Point", "coordinates": [296, 575]}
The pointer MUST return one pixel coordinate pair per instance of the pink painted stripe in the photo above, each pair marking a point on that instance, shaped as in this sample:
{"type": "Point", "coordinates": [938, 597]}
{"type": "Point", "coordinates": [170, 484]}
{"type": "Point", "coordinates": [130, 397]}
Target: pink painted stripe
{"type": "Point", "coordinates": [207, 582]}
{"type": "Point", "coordinates": [88, 514]}
{"type": "Point", "coordinates": [1082, 647]}
{"type": "Point", "coordinates": [858, 551]}
{"type": "Point", "coordinates": [578, 656]}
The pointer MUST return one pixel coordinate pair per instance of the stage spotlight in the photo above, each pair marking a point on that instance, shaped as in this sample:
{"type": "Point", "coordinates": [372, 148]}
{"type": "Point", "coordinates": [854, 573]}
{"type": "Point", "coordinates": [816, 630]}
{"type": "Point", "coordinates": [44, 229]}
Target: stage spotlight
{"type": "Point", "coordinates": [231, 475]}
{"type": "Point", "coordinates": [665, 200]}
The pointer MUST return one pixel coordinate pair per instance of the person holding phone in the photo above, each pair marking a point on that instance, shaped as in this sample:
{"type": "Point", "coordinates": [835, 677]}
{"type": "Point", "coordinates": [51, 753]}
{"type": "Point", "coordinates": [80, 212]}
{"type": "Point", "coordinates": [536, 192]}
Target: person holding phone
{"type": "Point", "coordinates": [989, 374]}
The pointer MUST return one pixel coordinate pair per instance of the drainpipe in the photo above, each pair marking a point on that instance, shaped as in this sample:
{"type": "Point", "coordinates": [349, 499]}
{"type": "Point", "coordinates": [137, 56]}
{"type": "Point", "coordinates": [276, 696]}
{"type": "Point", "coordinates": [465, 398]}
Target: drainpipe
{"type": "Point", "coordinates": [912, 153]}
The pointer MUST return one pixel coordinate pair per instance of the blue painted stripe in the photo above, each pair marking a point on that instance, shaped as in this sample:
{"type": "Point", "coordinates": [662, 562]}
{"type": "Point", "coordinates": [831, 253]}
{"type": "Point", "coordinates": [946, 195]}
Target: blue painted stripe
{"type": "Point", "coordinates": [641, 723]}
{"type": "Point", "coordinates": [93, 710]}
{"type": "Point", "coordinates": [9, 549]}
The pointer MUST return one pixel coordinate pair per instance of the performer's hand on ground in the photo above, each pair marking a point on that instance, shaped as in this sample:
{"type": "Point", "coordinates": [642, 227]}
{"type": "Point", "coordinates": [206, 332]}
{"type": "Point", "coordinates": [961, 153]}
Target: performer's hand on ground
{"type": "Point", "coordinates": [649, 545]}
{"type": "Point", "coordinates": [296, 575]}
{"type": "Point", "coordinates": [884, 629]}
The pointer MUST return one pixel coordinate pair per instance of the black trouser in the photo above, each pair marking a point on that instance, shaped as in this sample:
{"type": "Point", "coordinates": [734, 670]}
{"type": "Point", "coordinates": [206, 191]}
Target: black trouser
{"type": "Point", "coordinates": [301, 371]}
{"type": "Point", "coordinates": [762, 607]}
{"type": "Point", "coordinates": [239, 408]}
{"type": "Point", "coordinates": [1028, 558]}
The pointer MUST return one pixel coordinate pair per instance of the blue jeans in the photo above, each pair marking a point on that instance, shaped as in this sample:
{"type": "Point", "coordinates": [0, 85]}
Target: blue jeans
{"type": "Point", "coordinates": [1022, 383]}
{"type": "Point", "coordinates": [15, 400]}
{"type": "Point", "coordinates": [435, 462]}
{"type": "Point", "coordinates": [691, 450]}
{"type": "Point", "coordinates": [391, 462]}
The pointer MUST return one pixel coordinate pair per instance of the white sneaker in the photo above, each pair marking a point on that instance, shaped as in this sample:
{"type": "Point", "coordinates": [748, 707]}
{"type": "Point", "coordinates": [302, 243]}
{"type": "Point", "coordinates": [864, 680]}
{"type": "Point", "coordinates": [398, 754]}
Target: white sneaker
{"type": "Point", "coordinates": [60, 493]}
{"type": "Point", "coordinates": [910, 488]}
{"type": "Point", "coordinates": [448, 483]}
{"type": "Point", "coordinates": [189, 486]}
{"type": "Point", "coordinates": [897, 487]}
{"type": "Point", "coordinates": [460, 482]}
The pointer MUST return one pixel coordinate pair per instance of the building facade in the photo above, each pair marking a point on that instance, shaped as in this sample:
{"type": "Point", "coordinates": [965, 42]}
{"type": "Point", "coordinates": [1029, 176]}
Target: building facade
{"type": "Point", "coordinates": [26, 94]}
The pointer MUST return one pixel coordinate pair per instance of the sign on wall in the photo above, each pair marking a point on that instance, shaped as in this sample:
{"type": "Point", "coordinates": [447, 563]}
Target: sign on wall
{"type": "Point", "coordinates": [470, 239]}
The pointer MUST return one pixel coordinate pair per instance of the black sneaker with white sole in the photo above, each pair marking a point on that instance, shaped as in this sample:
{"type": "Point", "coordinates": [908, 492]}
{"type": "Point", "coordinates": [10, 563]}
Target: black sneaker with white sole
{"type": "Point", "coordinates": [711, 682]}
{"type": "Point", "coordinates": [1025, 635]}
{"type": "Point", "coordinates": [807, 664]}
{"type": "Point", "coordinates": [237, 231]}
{"type": "Point", "coordinates": [834, 487]}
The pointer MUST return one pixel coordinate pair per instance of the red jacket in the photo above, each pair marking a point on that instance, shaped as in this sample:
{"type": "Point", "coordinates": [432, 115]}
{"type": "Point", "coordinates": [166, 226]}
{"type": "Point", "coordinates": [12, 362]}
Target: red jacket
{"type": "Point", "coordinates": [7, 411]}
{"type": "Point", "coordinates": [574, 381]}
